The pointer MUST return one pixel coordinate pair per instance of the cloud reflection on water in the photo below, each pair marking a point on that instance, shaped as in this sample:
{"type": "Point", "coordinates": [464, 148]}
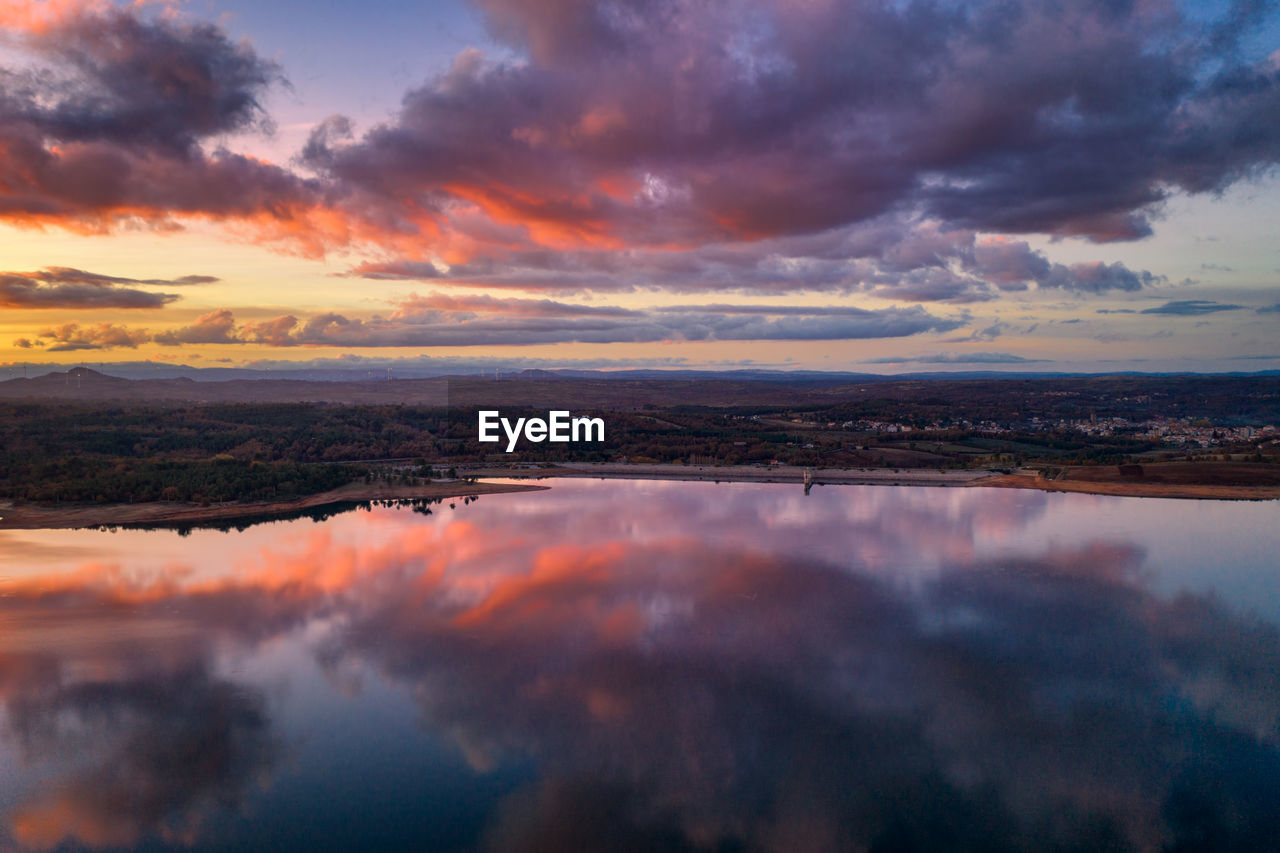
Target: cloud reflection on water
{"type": "Point", "coordinates": [693, 673]}
{"type": "Point", "coordinates": [141, 756]}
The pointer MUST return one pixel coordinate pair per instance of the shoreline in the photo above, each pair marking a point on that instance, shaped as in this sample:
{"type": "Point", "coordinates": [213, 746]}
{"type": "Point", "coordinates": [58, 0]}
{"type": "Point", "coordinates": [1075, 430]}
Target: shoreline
{"type": "Point", "coordinates": [42, 517]}
{"type": "Point", "coordinates": [967, 478]}
{"type": "Point", "coordinates": [738, 474]}
{"type": "Point", "coordinates": [1184, 491]}
{"type": "Point", "coordinates": [39, 517]}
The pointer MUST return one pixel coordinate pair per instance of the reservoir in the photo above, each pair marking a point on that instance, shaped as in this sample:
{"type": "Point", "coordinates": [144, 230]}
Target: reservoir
{"type": "Point", "coordinates": [652, 665]}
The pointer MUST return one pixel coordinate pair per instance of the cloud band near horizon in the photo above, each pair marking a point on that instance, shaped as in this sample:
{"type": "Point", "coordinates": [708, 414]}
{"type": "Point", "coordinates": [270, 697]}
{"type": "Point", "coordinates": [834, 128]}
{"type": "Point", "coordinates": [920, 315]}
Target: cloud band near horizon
{"type": "Point", "coordinates": [438, 320]}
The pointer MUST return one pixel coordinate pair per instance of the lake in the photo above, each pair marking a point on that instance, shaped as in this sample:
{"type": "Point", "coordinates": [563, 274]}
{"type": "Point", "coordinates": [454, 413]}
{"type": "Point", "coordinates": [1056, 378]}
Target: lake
{"type": "Point", "coordinates": [643, 665]}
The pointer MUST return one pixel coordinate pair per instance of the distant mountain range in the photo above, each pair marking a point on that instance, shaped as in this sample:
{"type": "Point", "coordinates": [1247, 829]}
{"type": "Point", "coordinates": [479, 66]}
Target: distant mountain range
{"type": "Point", "coordinates": [151, 371]}
{"type": "Point", "coordinates": [83, 384]}
{"type": "Point", "coordinates": [530, 387]}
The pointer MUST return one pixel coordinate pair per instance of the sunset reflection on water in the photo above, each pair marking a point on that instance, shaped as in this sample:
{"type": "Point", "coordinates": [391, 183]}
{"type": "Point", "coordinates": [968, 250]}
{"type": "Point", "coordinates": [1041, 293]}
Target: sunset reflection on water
{"type": "Point", "coordinates": [646, 665]}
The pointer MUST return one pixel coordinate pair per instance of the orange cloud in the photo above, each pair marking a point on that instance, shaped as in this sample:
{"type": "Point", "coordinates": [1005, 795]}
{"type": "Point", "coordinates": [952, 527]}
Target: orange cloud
{"type": "Point", "coordinates": [42, 16]}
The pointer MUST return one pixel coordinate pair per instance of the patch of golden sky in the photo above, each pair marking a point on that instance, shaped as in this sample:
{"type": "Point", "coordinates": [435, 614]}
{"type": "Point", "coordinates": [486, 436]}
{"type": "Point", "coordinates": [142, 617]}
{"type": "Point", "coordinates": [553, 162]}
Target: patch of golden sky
{"type": "Point", "coordinates": [1235, 256]}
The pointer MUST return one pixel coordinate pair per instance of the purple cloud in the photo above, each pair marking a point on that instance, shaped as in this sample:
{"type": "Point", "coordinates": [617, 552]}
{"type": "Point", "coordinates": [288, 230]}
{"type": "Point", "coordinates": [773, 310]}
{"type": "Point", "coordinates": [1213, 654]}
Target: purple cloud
{"type": "Point", "coordinates": [1190, 308]}
{"type": "Point", "coordinates": [439, 320]}
{"type": "Point", "coordinates": [760, 147]}
{"type": "Point", "coordinates": [116, 117]}
{"type": "Point", "coordinates": [63, 287]}
{"type": "Point", "coordinates": [691, 123]}
{"type": "Point", "coordinates": [892, 258]}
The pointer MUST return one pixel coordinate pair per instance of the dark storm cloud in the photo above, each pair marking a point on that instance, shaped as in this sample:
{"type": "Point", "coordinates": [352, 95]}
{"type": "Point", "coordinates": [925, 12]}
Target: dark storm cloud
{"type": "Point", "coordinates": [414, 326]}
{"type": "Point", "coordinates": [817, 325]}
{"type": "Point", "coordinates": [933, 284]}
{"type": "Point", "coordinates": [62, 287]}
{"type": "Point", "coordinates": [776, 139]}
{"type": "Point", "coordinates": [758, 268]}
{"type": "Point", "coordinates": [17, 292]}
{"type": "Point", "coordinates": [66, 287]}
{"type": "Point", "coordinates": [121, 78]}
{"type": "Point", "coordinates": [63, 275]}
{"type": "Point", "coordinates": [892, 257]}
{"type": "Point", "coordinates": [1191, 308]}
{"type": "Point", "coordinates": [111, 117]}
{"type": "Point", "coordinates": [688, 123]}
{"type": "Point", "coordinates": [765, 310]}
{"type": "Point", "coordinates": [467, 307]}
{"type": "Point", "coordinates": [1009, 264]}
{"type": "Point", "coordinates": [1097, 278]}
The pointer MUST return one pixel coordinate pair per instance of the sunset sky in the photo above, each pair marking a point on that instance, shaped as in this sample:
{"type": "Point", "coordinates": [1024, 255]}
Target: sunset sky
{"type": "Point", "coordinates": [819, 184]}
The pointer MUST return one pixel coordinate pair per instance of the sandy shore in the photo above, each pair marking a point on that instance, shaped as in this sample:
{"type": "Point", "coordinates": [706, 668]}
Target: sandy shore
{"type": "Point", "coordinates": [31, 517]}
{"type": "Point", "coordinates": [743, 474]}
{"type": "Point", "coordinates": [887, 476]}
{"type": "Point", "coordinates": [1137, 490]}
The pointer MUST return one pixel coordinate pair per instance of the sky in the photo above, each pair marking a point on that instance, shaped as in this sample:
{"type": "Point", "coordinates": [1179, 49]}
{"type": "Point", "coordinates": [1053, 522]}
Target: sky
{"type": "Point", "coordinates": [819, 184]}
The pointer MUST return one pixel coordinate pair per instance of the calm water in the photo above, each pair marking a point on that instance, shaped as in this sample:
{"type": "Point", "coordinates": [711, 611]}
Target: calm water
{"type": "Point", "coordinates": [650, 666]}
